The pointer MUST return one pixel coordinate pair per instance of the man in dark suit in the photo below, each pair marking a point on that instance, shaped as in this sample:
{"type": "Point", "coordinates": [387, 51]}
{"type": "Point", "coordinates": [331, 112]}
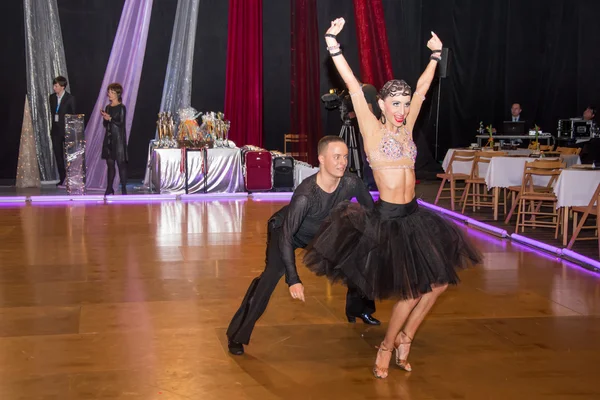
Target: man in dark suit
{"type": "Point", "coordinates": [515, 113]}
{"type": "Point", "coordinates": [61, 103]}
{"type": "Point", "coordinates": [515, 116]}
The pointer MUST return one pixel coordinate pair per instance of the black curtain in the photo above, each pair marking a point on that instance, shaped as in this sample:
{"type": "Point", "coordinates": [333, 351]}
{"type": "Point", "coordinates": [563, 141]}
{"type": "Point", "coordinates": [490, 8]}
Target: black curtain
{"type": "Point", "coordinates": [14, 83]}
{"type": "Point", "coordinates": [277, 30]}
{"type": "Point", "coordinates": [540, 53]}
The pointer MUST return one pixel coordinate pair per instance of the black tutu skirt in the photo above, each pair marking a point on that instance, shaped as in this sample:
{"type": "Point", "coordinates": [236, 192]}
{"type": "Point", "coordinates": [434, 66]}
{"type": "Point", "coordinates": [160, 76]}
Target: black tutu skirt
{"type": "Point", "coordinates": [392, 251]}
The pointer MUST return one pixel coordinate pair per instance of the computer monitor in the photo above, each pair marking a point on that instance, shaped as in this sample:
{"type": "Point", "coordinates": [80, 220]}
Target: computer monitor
{"type": "Point", "coordinates": [513, 128]}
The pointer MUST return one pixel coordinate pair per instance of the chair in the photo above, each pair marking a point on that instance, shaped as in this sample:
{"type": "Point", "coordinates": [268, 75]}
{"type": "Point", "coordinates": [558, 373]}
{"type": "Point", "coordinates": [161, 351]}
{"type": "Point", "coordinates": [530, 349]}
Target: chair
{"type": "Point", "coordinates": [543, 147]}
{"type": "Point", "coordinates": [477, 182]}
{"type": "Point", "coordinates": [515, 192]}
{"type": "Point", "coordinates": [538, 199]}
{"type": "Point", "coordinates": [591, 208]}
{"type": "Point", "coordinates": [451, 177]}
{"type": "Point", "coordinates": [293, 138]}
{"type": "Point", "coordinates": [568, 150]}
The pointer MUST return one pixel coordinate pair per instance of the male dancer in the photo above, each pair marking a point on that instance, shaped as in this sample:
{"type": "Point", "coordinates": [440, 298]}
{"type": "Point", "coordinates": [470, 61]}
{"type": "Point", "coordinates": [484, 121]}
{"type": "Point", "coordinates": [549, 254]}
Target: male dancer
{"type": "Point", "coordinates": [293, 227]}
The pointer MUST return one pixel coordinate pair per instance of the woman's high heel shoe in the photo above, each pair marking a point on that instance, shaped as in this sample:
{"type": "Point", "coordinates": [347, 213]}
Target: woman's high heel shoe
{"type": "Point", "coordinates": [402, 350]}
{"type": "Point", "coordinates": [109, 192]}
{"type": "Point", "coordinates": [381, 372]}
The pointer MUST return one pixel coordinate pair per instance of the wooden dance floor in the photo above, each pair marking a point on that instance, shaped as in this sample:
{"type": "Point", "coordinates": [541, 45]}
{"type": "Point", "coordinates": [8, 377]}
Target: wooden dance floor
{"type": "Point", "coordinates": [131, 301]}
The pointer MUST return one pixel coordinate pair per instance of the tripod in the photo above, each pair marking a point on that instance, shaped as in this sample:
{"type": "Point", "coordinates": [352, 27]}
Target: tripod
{"type": "Point", "coordinates": [348, 135]}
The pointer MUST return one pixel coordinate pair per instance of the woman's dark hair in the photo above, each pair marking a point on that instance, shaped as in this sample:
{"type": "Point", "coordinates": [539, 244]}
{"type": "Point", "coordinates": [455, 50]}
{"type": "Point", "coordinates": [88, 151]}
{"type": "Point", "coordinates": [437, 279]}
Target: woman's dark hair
{"type": "Point", "coordinates": [393, 88]}
{"type": "Point", "coordinates": [117, 88]}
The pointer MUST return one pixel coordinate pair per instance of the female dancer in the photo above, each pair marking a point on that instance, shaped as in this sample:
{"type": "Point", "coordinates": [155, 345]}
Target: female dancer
{"type": "Point", "coordinates": [398, 249]}
{"type": "Point", "coordinates": [114, 147]}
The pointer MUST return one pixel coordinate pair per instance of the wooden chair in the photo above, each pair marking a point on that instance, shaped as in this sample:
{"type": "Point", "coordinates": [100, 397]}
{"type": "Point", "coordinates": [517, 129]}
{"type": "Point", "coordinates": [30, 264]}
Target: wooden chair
{"type": "Point", "coordinates": [293, 138]}
{"type": "Point", "coordinates": [538, 199]}
{"type": "Point", "coordinates": [477, 183]}
{"type": "Point", "coordinates": [591, 208]}
{"type": "Point", "coordinates": [543, 147]}
{"type": "Point", "coordinates": [568, 150]}
{"type": "Point", "coordinates": [515, 192]}
{"type": "Point", "coordinates": [451, 177]}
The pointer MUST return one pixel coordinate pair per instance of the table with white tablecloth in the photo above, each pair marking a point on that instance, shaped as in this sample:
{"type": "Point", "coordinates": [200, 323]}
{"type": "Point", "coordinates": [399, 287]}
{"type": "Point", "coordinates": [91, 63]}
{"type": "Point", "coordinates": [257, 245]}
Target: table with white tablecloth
{"type": "Point", "coordinates": [222, 173]}
{"type": "Point", "coordinates": [504, 172]}
{"type": "Point", "coordinates": [575, 188]}
{"type": "Point", "coordinates": [217, 170]}
{"type": "Point", "coordinates": [464, 167]}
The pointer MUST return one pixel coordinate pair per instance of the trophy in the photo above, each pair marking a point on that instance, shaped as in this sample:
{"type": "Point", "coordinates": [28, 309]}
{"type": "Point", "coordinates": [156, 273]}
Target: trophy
{"type": "Point", "coordinates": [166, 126]}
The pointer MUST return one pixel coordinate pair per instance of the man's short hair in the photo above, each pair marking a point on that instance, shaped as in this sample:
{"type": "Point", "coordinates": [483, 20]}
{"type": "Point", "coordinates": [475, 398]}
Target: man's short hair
{"type": "Point", "coordinates": [61, 80]}
{"type": "Point", "coordinates": [325, 140]}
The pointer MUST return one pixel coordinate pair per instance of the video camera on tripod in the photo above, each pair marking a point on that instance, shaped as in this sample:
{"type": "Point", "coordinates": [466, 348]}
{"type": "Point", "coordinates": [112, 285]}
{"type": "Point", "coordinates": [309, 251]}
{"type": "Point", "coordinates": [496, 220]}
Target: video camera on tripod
{"type": "Point", "coordinates": [338, 99]}
{"type": "Point", "coordinates": [341, 99]}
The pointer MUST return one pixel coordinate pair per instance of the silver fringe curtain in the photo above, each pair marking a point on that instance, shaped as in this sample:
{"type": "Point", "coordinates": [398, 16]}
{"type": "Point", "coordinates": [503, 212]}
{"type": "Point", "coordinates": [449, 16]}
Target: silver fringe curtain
{"type": "Point", "coordinates": [45, 60]}
{"type": "Point", "coordinates": [28, 172]}
{"type": "Point", "coordinates": [177, 90]}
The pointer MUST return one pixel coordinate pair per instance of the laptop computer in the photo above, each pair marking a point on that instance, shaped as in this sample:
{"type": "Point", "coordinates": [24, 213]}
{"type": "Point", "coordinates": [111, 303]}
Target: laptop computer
{"type": "Point", "coordinates": [513, 128]}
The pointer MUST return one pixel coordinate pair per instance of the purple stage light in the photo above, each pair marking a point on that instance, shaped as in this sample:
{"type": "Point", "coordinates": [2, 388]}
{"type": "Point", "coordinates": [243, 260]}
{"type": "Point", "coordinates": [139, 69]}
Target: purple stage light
{"type": "Point", "coordinates": [540, 245]}
{"type": "Point", "coordinates": [488, 228]}
{"type": "Point", "coordinates": [214, 196]}
{"type": "Point", "coordinates": [65, 199]}
{"type": "Point", "coordinates": [88, 198]}
{"type": "Point", "coordinates": [271, 196]}
{"type": "Point", "coordinates": [13, 199]}
{"type": "Point", "coordinates": [141, 198]}
{"type": "Point", "coordinates": [595, 264]}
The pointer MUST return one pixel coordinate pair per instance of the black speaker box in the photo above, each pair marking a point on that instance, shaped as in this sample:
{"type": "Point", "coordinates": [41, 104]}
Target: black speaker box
{"type": "Point", "coordinates": [442, 69]}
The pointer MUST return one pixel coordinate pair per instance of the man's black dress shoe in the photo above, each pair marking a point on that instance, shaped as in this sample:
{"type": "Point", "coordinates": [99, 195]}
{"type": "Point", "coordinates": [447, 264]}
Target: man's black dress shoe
{"type": "Point", "coordinates": [366, 318]}
{"type": "Point", "coordinates": [235, 348]}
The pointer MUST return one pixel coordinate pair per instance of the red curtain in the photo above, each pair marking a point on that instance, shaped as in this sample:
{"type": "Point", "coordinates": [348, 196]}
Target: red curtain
{"type": "Point", "coordinates": [243, 87]}
{"type": "Point", "coordinates": [373, 49]}
{"type": "Point", "coordinates": [305, 93]}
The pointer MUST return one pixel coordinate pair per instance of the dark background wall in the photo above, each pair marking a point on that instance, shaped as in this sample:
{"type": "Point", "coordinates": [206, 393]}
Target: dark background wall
{"type": "Point", "coordinates": [541, 53]}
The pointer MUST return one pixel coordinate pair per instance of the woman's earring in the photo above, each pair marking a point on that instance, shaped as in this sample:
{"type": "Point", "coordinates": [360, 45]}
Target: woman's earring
{"type": "Point", "coordinates": [383, 120]}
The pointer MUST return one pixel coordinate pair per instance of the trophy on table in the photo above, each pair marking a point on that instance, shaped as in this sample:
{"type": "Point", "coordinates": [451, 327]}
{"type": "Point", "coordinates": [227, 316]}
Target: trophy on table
{"type": "Point", "coordinates": [166, 127]}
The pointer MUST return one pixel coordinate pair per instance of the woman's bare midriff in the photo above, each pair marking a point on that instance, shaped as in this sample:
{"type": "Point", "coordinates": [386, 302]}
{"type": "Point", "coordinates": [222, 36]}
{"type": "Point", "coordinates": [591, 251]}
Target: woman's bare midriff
{"type": "Point", "coordinates": [395, 186]}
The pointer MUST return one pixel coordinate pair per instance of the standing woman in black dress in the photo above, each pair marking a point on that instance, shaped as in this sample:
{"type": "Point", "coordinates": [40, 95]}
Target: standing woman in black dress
{"type": "Point", "coordinates": [114, 147]}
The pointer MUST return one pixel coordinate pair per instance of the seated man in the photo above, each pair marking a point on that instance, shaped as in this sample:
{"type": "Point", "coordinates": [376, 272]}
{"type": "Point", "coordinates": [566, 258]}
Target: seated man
{"type": "Point", "coordinates": [589, 114]}
{"type": "Point", "coordinates": [515, 113]}
{"type": "Point", "coordinates": [294, 226]}
{"type": "Point", "coordinates": [515, 116]}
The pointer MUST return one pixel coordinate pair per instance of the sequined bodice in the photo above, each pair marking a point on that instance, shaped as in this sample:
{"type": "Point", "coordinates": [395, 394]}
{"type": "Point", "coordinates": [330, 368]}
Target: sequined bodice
{"type": "Point", "coordinates": [392, 150]}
